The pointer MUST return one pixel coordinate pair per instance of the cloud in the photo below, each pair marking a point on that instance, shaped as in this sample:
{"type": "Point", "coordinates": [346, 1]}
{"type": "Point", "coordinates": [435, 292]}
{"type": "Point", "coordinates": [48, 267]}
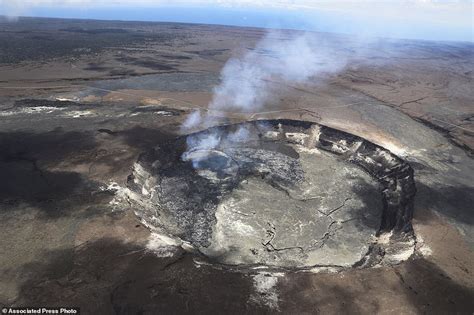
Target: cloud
{"type": "Point", "coordinates": [284, 4]}
{"type": "Point", "coordinates": [12, 7]}
{"type": "Point", "coordinates": [427, 19]}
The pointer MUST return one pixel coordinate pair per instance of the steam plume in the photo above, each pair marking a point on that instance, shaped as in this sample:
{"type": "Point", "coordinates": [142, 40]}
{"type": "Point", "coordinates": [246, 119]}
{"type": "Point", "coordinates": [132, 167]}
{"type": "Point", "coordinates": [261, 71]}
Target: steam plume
{"type": "Point", "coordinates": [246, 82]}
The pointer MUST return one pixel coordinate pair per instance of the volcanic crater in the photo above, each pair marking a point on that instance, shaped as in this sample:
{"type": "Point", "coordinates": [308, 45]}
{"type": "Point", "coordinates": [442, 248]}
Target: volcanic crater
{"type": "Point", "coordinates": [278, 194]}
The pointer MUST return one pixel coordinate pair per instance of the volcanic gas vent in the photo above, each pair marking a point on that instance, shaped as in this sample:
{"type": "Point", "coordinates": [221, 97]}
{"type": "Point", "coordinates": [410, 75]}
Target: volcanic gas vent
{"type": "Point", "coordinates": [279, 193]}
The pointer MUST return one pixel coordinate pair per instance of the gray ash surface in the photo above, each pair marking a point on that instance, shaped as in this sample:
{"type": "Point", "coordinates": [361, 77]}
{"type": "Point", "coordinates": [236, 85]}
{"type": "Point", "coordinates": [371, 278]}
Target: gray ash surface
{"type": "Point", "coordinates": [279, 193]}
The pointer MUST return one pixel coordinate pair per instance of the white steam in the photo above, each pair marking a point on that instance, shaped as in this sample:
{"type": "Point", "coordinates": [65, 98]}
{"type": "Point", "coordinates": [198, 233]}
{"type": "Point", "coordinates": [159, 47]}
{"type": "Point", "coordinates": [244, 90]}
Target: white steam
{"type": "Point", "coordinates": [249, 83]}
{"type": "Point", "coordinates": [192, 120]}
{"type": "Point", "coordinates": [240, 135]}
{"type": "Point", "coordinates": [205, 142]}
{"type": "Point", "coordinates": [197, 146]}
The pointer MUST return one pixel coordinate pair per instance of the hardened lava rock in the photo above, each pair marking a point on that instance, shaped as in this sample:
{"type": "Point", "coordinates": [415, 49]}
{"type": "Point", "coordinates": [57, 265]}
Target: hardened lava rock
{"type": "Point", "coordinates": [279, 193]}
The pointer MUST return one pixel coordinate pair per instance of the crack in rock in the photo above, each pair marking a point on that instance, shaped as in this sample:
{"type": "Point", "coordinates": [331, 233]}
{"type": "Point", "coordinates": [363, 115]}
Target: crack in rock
{"type": "Point", "coordinates": [219, 198]}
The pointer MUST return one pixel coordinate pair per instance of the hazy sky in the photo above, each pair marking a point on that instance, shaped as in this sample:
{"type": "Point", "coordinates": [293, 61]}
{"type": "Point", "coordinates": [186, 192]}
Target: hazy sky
{"type": "Point", "coordinates": [423, 19]}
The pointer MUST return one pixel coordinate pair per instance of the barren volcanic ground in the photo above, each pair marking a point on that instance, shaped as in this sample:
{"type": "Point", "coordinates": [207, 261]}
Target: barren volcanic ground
{"type": "Point", "coordinates": [351, 193]}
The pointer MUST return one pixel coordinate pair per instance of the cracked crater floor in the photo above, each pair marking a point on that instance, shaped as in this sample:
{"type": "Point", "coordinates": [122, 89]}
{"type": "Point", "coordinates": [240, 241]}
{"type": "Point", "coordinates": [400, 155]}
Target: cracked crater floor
{"type": "Point", "coordinates": [287, 194]}
{"type": "Point", "coordinates": [327, 219]}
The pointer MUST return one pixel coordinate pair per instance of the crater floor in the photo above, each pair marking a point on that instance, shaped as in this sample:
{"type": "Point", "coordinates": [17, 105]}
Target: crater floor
{"type": "Point", "coordinates": [327, 219]}
{"type": "Point", "coordinates": [273, 194]}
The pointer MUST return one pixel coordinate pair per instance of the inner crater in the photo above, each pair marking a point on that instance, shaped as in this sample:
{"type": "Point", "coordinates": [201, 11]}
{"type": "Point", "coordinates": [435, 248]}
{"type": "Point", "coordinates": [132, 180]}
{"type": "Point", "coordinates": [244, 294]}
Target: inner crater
{"type": "Point", "coordinates": [278, 193]}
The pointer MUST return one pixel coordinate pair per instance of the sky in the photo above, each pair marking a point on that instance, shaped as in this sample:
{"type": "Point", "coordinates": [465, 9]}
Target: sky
{"type": "Point", "coordinates": [413, 19]}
